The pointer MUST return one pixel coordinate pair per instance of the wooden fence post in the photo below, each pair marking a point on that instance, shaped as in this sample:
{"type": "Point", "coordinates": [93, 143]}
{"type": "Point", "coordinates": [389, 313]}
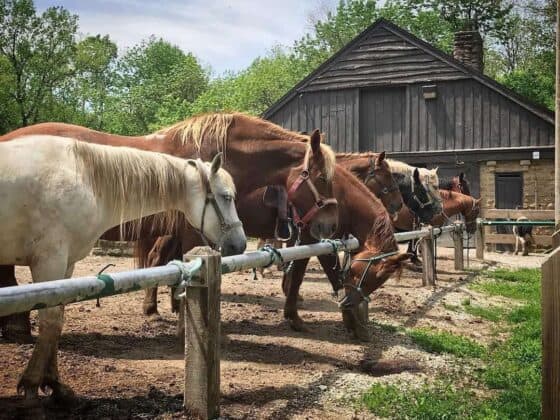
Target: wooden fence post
{"type": "Point", "coordinates": [458, 244]}
{"type": "Point", "coordinates": [202, 336]}
{"type": "Point", "coordinates": [479, 239]}
{"type": "Point", "coordinates": [550, 304]}
{"type": "Point", "coordinates": [428, 259]}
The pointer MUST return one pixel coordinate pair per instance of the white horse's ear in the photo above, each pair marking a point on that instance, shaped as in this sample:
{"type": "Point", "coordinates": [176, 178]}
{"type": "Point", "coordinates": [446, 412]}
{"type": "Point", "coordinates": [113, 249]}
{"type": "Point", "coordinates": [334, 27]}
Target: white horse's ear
{"type": "Point", "coordinates": [216, 163]}
{"type": "Point", "coordinates": [434, 171]}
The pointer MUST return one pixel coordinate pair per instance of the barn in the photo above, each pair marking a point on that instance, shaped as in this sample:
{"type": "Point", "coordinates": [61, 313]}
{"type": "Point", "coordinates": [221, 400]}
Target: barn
{"type": "Point", "coordinates": [389, 90]}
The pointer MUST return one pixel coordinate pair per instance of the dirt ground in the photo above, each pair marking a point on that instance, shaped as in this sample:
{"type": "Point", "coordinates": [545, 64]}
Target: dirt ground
{"type": "Point", "coordinates": [124, 365]}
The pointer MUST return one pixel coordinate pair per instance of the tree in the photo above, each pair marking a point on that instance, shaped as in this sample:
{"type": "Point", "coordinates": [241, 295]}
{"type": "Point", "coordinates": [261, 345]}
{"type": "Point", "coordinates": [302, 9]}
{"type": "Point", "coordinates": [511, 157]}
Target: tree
{"type": "Point", "coordinates": [353, 16]}
{"type": "Point", "coordinates": [482, 16]}
{"type": "Point", "coordinates": [156, 83]}
{"type": "Point", "coordinates": [38, 50]}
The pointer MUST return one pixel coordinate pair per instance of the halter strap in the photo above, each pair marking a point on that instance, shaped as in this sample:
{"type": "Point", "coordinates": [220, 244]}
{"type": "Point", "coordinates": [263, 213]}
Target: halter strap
{"type": "Point", "coordinates": [225, 227]}
{"type": "Point", "coordinates": [320, 202]}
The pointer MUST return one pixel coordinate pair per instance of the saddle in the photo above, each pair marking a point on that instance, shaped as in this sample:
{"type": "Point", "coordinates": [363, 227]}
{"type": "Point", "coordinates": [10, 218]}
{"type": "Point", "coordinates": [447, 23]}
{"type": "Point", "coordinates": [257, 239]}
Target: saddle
{"type": "Point", "coordinates": [276, 197]}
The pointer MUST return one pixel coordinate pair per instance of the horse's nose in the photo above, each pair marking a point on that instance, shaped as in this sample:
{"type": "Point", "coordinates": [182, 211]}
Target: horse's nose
{"type": "Point", "coordinates": [234, 247]}
{"type": "Point", "coordinates": [327, 229]}
{"type": "Point", "coordinates": [395, 208]}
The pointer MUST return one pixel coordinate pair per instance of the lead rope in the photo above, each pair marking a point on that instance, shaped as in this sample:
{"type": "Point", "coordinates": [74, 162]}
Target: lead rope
{"type": "Point", "coordinates": [99, 273]}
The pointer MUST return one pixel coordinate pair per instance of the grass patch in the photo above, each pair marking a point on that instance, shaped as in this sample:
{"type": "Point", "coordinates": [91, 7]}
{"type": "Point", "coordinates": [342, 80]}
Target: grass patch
{"type": "Point", "coordinates": [491, 313]}
{"type": "Point", "coordinates": [512, 372]}
{"type": "Point", "coordinates": [439, 401]}
{"type": "Point", "coordinates": [444, 342]}
{"type": "Point", "coordinates": [523, 284]}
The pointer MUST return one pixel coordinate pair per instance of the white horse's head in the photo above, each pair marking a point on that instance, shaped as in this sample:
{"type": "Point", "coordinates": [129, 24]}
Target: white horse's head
{"type": "Point", "coordinates": [212, 207]}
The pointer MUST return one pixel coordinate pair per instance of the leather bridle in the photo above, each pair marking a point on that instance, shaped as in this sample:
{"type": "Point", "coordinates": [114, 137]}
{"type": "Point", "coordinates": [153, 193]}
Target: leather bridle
{"type": "Point", "coordinates": [414, 199]}
{"type": "Point", "coordinates": [225, 227]}
{"type": "Point", "coordinates": [319, 201]}
{"type": "Point", "coordinates": [372, 175]}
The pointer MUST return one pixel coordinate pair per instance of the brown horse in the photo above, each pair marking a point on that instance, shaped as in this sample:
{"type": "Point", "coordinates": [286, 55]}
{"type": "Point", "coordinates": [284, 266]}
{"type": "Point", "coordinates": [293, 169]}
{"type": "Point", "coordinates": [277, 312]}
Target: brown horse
{"type": "Point", "coordinates": [374, 171]}
{"type": "Point", "coordinates": [257, 153]}
{"type": "Point", "coordinates": [360, 214]}
{"type": "Point", "coordinates": [453, 203]}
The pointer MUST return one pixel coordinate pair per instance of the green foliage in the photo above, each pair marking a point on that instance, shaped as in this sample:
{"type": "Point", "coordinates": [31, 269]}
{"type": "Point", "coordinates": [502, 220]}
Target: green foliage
{"type": "Point", "coordinates": [491, 313]}
{"type": "Point", "coordinates": [437, 401]}
{"type": "Point", "coordinates": [37, 53]}
{"type": "Point", "coordinates": [252, 90]}
{"type": "Point", "coordinates": [522, 284]}
{"type": "Point", "coordinates": [444, 342]}
{"type": "Point", "coordinates": [476, 15]}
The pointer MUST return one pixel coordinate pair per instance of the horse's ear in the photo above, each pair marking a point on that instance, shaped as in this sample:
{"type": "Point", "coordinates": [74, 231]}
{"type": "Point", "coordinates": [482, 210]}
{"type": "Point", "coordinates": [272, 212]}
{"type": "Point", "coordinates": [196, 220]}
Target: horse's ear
{"type": "Point", "coordinates": [216, 163]}
{"type": "Point", "coordinates": [434, 171]}
{"type": "Point", "coordinates": [380, 158]}
{"type": "Point", "coordinates": [416, 176]}
{"type": "Point", "coordinates": [461, 177]}
{"type": "Point", "coordinates": [315, 141]}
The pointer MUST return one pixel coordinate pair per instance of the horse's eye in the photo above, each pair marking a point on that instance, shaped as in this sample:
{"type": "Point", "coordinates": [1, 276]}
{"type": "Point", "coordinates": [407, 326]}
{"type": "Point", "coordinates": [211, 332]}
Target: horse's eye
{"type": "Point", "coordinates": [228, 197]}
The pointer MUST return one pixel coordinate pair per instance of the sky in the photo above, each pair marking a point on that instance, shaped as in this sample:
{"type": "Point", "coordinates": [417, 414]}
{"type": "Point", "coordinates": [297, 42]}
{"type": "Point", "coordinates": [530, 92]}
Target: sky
{"type": "Point", "coordinates": [225, 34]}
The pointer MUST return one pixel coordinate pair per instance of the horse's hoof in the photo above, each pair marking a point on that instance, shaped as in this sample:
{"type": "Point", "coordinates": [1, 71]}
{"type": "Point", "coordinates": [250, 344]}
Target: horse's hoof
{"type": "Point", "coordinates": [362, 334]}
{"type": "Point", "coordinates": [29, 390]}
{"type": "Point", "coordinates": [297, 324]}
{"type": "Point", "coordinates": [62, 393]}
{"type": "Point", "coordinates": [150, 310]}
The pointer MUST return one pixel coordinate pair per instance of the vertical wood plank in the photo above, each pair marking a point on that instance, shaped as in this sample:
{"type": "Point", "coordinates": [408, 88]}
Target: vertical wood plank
{"type": "Point", "coordinates": [479, 237]}
{"type": "Point", "coordinates": [202, 337]}
{"type": "Point", "coordinates": [428, 261]}
{"type": "Point", "coordinates": [550, 303]}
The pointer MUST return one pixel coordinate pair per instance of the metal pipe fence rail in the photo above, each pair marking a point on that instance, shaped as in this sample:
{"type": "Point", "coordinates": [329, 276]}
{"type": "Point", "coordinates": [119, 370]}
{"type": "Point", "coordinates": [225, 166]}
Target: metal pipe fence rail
{"type": "Point", "coordinates": [200, 276]}
{"type": "Point", "coordinates": [482, 239]}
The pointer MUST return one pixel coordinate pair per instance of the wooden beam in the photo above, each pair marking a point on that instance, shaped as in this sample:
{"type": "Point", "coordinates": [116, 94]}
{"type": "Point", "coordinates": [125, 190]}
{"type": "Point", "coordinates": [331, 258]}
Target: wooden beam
{"type": "Point", "coordinates": [508, 238]}
{"type": "Point", "coordinates": [428, 260]}
{"type": "Point", "coordinates": [550, 304]}
{"type": "Point", "coordinates": [202, 337]}
{"type": "Point", "coordinates": [514, 214]}
{"type": "Point", "coordinates": [557, 124]}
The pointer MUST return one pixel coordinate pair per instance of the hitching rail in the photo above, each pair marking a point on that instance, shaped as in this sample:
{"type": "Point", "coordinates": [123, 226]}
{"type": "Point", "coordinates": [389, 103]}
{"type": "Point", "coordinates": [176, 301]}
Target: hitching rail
{"type": "Point", "coordinates": [27, 297]}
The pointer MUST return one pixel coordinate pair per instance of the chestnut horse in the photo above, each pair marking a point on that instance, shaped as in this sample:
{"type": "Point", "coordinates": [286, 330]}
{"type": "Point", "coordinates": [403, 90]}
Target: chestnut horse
{"type": "Point", "coordinates": [360, 214]}
{"type": "Point", "coordinates": [257, 153]}
{"type": "Point", "coordinates": [453, 203]}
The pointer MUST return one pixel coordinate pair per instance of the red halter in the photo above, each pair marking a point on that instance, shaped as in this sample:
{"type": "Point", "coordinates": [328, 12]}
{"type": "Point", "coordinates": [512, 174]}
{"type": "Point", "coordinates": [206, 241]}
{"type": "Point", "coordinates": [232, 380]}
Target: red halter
{"type": "Point", "coordinates": [320, 201]}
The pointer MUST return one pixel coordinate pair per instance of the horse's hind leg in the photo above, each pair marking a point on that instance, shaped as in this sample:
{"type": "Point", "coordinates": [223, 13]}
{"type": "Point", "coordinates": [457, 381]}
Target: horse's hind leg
{"type": "Point", "coordinates": [15, 327]}
{"type": "Point", "coordinates": [41, 371]}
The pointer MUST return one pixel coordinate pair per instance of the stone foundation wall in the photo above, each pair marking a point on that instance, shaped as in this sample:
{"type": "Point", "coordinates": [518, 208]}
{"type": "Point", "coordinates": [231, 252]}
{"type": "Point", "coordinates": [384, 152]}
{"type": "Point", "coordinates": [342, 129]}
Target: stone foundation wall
{"type": "Point", "coordinates": [538, 182]}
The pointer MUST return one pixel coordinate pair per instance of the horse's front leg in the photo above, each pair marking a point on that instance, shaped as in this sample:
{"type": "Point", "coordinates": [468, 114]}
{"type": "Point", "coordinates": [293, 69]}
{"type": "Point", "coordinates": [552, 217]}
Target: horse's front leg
{"type": "Point", "coordinates": [331, 267]}
{"type": "Point", "coordinates": [291, 284]}
{"type": "Point", "coordinates": [42, 369]}
{"type": "Point", "coordinates": [15, 327]}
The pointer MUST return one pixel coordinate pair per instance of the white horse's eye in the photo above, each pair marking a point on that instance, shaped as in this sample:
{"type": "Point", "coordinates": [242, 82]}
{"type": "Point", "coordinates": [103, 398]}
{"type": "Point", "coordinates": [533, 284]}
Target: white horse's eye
{"type": "Point", "coordinates": [228, 197]}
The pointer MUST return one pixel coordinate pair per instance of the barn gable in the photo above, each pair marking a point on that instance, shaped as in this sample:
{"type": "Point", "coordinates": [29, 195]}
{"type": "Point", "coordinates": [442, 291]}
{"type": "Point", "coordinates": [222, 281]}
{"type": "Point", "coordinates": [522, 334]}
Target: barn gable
{"type": "Point", "coordinates": [380, 56]}
{"type": "Point", "coordinates": [385, 54]}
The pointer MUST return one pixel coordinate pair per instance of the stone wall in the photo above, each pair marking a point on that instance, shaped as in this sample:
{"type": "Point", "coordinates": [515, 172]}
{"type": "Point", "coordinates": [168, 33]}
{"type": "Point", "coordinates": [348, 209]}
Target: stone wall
{"type": "Point", "coordinates": [538, 182]}
{"type": "Point", "coordinates": [468, 48]}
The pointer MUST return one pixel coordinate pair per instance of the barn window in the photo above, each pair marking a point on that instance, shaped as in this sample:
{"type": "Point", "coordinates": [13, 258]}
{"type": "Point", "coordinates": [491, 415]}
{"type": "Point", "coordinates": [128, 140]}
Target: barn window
{"type": "Point", "coordinates": [429, 91]}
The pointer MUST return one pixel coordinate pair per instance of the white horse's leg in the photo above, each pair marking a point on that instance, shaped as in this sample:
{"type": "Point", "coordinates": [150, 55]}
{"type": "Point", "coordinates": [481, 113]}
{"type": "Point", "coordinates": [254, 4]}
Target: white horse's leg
{"type": "Point", "coordinates": [526, 240]}
{"type": "Point", "coordinates": [50, 327]}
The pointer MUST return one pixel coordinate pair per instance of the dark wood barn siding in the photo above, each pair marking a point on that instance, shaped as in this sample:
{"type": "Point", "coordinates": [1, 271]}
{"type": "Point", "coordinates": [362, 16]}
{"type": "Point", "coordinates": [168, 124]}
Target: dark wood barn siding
{"type": "Point", "coordinates": [465, 115]}
{"type": "Point", "coordinates": [335, 113]}
{"type": "Point", "coordinates": [382, 58]}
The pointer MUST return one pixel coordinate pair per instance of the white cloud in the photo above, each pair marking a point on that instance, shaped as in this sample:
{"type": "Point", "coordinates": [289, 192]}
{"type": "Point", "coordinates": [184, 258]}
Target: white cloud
{"type": "Point", "coordinates": [227, 34]}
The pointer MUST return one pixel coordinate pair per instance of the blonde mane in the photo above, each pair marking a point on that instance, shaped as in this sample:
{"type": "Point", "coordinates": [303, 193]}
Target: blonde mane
{"type": "Point", "coordinates": [203, 128]}
{"type": "Point", "coordinates": [124, 175]}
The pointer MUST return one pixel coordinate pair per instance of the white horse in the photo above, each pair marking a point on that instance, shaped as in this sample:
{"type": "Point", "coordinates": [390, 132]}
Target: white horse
{"type": "Point", "coordinates": [58, 195]}
{"type": "Point", "coordinates": [429, 178]}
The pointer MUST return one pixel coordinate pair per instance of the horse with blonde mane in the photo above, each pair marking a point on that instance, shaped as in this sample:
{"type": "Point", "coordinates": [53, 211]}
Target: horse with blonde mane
{"type": "Point", "coordinates": [257, 153]}
{"type": "Point", "coordinates": [63, 194]}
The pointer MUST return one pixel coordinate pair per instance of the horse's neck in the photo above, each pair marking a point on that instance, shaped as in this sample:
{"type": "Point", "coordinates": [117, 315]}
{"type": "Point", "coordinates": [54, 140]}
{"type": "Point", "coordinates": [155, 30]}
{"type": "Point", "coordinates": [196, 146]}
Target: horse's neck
{"type": "Point", "coordinates": [358, 166]}
{"type": "Point", "coordinates": [360, 216]}
{"type": "Point", "coordinates": [256, 164]}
